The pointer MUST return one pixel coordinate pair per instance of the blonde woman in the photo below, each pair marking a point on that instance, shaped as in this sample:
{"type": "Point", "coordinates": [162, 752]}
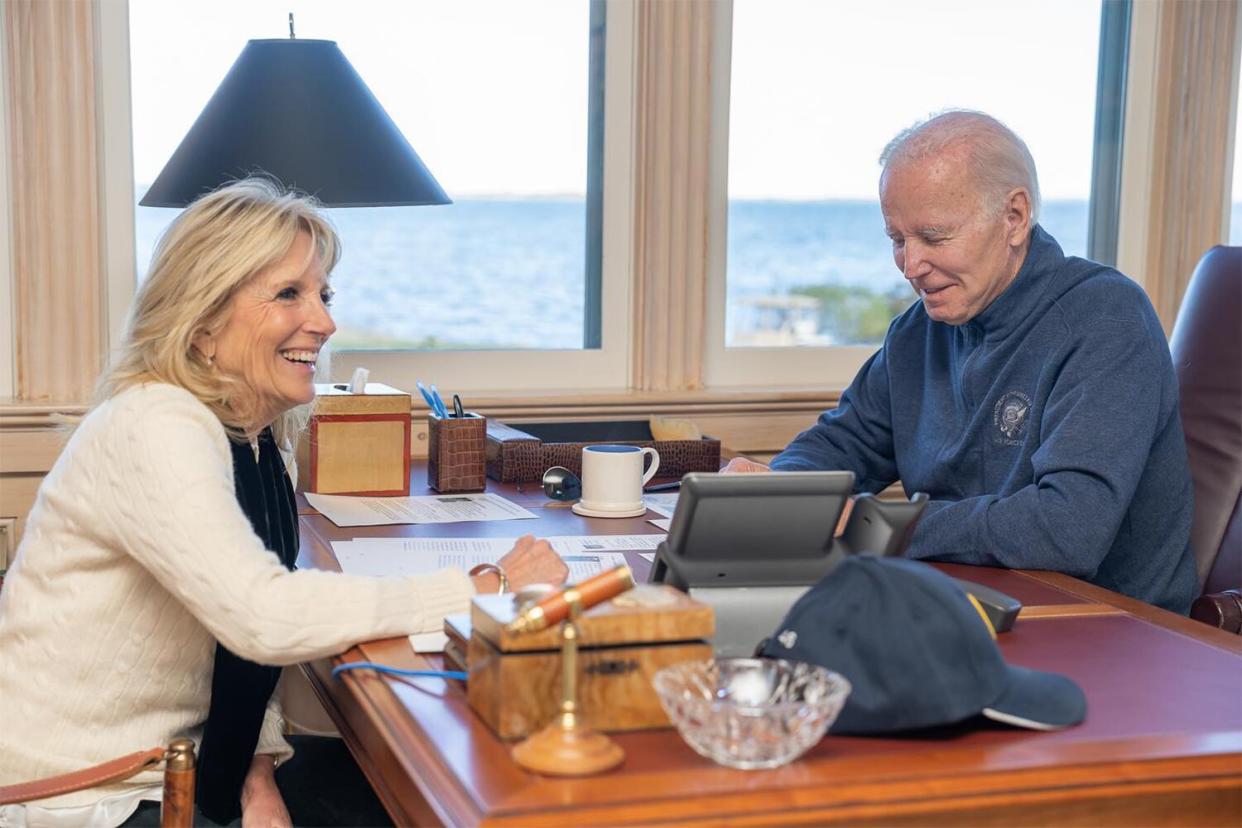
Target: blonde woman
{"type": "Point", "coordinates": [152, 595]}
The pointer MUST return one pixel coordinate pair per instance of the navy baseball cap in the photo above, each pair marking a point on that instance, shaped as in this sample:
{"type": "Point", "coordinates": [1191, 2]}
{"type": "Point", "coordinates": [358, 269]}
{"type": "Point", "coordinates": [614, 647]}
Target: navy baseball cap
{"type": "Point", "coordinates": [918, 651]}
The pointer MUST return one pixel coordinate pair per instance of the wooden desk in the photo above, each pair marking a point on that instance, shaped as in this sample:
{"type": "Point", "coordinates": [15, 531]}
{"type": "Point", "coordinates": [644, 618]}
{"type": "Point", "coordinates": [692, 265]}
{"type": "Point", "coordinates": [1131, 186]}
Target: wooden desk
{"type": "Point", "coordinates": [1162, 743]}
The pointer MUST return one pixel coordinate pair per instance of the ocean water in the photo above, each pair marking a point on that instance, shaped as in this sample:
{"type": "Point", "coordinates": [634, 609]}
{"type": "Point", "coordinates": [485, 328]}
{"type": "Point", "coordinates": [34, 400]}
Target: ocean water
{"type": "Point", "coordinates": [508, 273]}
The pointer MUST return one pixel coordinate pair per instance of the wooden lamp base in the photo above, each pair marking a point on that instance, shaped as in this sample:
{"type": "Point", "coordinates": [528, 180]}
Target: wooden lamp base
{"type": "Point", "coordinates": [557, 750]}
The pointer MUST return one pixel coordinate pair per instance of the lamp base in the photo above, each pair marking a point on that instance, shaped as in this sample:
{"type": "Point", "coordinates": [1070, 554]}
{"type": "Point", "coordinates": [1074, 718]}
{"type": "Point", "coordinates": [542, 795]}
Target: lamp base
{"type": "Point", "coordinates": [559, 751]}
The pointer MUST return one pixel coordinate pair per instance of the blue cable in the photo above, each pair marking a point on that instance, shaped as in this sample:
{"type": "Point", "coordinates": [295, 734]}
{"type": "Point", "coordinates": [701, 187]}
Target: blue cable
{"type": "Point", "coordinates": [396, 671]}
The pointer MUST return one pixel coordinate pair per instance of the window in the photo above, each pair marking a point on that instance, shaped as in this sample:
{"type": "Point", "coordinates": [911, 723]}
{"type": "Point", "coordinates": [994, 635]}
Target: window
{"type": "Point", "coordinates": [497, 99]}
{"type": "Point", "coordinates": [815, 91]}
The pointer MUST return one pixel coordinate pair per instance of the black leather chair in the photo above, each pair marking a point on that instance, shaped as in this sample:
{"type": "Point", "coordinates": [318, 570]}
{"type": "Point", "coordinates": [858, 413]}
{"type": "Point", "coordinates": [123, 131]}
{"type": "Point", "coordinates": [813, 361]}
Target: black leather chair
{"type": "Point", "coordinates": [1207, 355]}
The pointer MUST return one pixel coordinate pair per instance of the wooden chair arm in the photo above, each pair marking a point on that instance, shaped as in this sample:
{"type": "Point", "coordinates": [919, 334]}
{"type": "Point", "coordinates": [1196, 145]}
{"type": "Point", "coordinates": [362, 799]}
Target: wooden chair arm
{"type": "Point", "coordinates": [114, 770]}
{"type": "Point", "coordinates": [1222, 610]}
{"type": "Point", "coordinates": [178, 807]}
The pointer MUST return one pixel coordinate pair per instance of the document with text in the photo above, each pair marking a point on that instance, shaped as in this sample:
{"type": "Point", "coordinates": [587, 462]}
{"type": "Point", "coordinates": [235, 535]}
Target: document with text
{"type": "Point", "coordinates": [344, 510]}
{"type": "Point", "coordinates": [584, 555]}
{"type": "Point", "coordinates": [420, 556]}
{"type": "Point", "coordinates": [662, 504]}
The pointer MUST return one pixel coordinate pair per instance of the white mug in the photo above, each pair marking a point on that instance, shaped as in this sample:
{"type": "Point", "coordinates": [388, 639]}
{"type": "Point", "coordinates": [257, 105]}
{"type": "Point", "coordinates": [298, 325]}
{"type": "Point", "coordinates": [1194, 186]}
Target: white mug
{"type": "Point", "coordinates": [613, 477]}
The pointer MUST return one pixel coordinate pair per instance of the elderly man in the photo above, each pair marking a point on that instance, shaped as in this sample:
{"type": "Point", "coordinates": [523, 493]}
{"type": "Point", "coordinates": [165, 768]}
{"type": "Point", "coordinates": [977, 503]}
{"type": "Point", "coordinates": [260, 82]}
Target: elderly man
{"type": "Point", "coordinates": [1030, 394]}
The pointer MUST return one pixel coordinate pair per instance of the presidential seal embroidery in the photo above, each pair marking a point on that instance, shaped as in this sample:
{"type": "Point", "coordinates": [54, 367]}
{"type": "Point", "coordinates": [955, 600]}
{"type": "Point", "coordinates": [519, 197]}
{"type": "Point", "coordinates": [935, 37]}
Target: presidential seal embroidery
{"type": "Point", "coordinates": [1010, 415]}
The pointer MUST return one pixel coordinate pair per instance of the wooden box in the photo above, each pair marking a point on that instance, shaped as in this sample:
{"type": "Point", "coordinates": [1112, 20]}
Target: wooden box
{"type": "Point", "coordinates": [522, 453]}
{"type": "Point", "coordinates": [357, 444]}
{"type": "Point", "coordinates": [515, 680]}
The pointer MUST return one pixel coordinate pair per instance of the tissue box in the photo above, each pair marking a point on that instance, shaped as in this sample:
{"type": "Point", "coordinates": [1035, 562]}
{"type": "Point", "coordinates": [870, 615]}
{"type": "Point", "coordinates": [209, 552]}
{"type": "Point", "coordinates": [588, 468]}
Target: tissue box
{"type": "Point", "coordinates": [357, 444]}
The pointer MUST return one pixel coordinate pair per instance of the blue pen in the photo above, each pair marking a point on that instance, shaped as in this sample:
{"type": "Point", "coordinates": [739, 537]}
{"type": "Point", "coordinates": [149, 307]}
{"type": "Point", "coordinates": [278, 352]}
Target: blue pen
{"type": "Point", "coordinates": [422, 389]}
{"type": "Point", "coordinates": [435, 395]}
{"type": "Point", "coordinates": [430, 400]}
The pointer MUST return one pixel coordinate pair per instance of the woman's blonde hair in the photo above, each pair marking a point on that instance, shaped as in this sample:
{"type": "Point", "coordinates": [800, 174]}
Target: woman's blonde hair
{"type": "Point", "coordinates": [215, 246]}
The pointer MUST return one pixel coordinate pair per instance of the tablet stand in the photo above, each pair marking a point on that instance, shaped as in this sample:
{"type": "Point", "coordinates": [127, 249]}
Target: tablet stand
{"type": "Point", "coordinates": [744, 615]}
{"type": "Point", "coordinates": [748, 612]}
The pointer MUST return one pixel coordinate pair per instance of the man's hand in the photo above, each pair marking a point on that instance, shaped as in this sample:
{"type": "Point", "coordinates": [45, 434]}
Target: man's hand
{"type": "Point", "coordinates": [740, 465]}
{"type": "Point", "coordinates": [262, 804]}
{"type": "Point", "coordinates": [533, 562]}
{"type": "Point", "coordinates": [845, 516]}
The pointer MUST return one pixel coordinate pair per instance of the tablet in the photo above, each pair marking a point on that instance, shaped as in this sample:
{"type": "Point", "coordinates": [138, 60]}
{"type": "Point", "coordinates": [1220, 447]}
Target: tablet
{"type": "Point", "coordinates": [766, 529]}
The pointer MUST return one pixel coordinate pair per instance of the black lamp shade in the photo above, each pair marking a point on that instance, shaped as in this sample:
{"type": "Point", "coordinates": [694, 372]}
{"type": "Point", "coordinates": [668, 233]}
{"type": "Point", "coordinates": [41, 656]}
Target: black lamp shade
{"type": "Point", "coordinates": [297, 110]}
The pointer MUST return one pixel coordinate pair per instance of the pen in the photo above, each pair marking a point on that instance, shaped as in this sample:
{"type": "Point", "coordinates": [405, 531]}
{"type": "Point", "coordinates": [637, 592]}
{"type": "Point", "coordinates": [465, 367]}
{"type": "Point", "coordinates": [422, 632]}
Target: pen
{"type": "Point", "coordinates": [433, 402]}
{"type": "Point", "coordinates": [422, 389]}
{"type": "Point", "coordinates": [440, 409]}
{"type": "Point", "coordinates": [458, 411]}
{"type": "Point", "coordinates": [664, 487]}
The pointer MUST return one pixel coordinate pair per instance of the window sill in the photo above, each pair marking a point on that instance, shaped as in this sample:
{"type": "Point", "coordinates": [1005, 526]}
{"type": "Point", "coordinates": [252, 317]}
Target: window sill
{"type": "Point", "coordinates": [526, 404]}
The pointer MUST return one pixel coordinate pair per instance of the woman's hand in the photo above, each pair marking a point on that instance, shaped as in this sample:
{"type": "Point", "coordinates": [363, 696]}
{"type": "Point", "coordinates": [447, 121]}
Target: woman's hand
{"type": "Point", "coordinates": [262, 804]}
{"type": "Point", "coordinates": [532, 561]}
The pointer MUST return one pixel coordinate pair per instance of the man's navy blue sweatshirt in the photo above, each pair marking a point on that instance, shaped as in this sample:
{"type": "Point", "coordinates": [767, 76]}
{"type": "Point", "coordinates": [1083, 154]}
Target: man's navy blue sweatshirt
{"type": "Point", "coordinates": [1045, 431]}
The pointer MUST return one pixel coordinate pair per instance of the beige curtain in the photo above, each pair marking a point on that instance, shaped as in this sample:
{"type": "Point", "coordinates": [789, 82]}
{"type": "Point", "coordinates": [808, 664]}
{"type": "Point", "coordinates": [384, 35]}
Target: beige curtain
{"type": "Point", "coordinates": [673, 123]}
{"type": "Point", "coordinates": [54, 197]}
{"type": "Point", "coordinates": [1196, 52]}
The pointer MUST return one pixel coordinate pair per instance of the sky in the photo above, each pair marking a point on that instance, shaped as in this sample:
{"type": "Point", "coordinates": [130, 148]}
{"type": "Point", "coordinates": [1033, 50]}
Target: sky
{"type": "Point", "coordinates": [492, 93]}
{"type": "Point", "coordinates": [819, 87]}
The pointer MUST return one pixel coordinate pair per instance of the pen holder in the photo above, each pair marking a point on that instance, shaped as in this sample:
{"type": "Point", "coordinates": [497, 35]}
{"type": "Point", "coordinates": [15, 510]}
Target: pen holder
{"type": "Point", "coordinates": [456, 453]}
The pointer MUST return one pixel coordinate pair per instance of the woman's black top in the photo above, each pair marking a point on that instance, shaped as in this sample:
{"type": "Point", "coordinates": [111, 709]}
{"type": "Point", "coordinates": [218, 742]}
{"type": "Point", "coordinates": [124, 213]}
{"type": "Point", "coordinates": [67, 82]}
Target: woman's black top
{"type": "Point", "coordinates": [240, 689]}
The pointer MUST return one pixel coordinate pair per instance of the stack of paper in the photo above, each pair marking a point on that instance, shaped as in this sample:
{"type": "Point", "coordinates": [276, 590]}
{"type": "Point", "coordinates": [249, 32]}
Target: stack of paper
{"type": "Point", "coordinates": [585, 555]}
{"type": "Point", "coordinates": [344, 510]}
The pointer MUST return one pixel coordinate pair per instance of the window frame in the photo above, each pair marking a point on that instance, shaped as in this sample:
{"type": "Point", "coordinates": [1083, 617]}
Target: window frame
{"type": "Point", "coordinates": [7, 305]}
{"type": "Point", "coordinates": [812, 366]}
{"type": "Point", "coordinates": [1104, 208]}
{"type": "Point", "coordinates": [605, 368]}
{"type": "Point", "coordinates": [524, 375]}
{"type": "Point", "coordinates": [116, 164]}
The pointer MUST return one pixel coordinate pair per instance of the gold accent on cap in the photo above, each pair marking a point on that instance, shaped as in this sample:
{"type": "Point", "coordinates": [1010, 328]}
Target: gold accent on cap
{"type": "Point", "coordinates": [974, 602]}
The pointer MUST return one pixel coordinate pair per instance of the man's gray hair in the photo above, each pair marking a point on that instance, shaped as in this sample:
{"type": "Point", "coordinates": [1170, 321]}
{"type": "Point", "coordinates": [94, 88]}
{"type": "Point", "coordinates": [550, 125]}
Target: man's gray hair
{"type": "Point", "coordinates": [1000, 160]}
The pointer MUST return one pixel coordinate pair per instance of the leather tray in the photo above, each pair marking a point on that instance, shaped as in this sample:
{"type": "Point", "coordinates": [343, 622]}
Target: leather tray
{"type": "Point", "coordinates": [522, 453]}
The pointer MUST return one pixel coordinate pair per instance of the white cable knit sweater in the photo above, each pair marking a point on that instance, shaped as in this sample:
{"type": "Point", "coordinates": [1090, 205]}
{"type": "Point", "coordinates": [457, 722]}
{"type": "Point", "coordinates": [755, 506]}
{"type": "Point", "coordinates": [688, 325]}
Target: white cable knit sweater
{"type": "Point", "coordinates": [135, 560]}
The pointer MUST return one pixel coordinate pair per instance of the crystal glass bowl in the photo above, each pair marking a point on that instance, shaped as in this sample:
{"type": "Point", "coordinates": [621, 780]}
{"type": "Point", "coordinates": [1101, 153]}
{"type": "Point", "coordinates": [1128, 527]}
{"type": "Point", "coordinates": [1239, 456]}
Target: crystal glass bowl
{"type": "Point", "coordinates": [750, 712]}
